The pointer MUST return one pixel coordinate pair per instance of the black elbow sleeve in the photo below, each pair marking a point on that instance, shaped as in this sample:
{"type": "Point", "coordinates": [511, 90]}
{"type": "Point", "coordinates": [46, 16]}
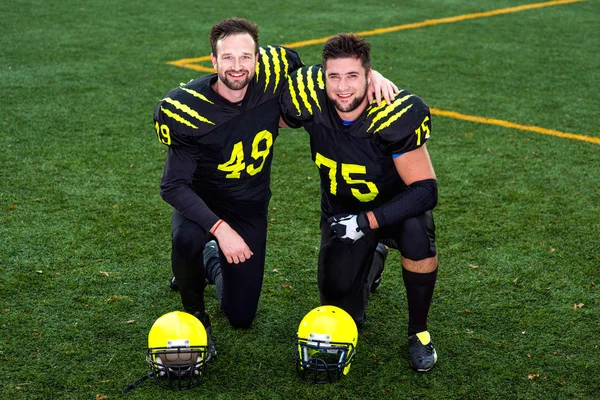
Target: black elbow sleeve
{"type": "Point", "coordinates": [419, 197]}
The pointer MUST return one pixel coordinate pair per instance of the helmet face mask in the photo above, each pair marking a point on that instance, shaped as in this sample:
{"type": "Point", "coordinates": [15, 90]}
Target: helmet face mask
{"type": "Point", "coordinates": [325, 345]}
{"type": "Point", "coordinates": [177, 350]}
{"type": "Point", "coordinates": [323, 361]}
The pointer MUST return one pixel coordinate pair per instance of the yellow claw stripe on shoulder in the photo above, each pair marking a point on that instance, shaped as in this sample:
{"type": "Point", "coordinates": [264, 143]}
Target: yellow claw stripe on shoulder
{"type": "Point", "coordinates": [375, 108]}
{"type": "Point", "coordinates": [393, 118]}
{"type": "Point", "coordinates": [265, 59]}
{"type": "Point", "coordinates": [196, 94]}
{"type": "Point", "coordinates": [302, 92]}
{"type": "Point", "coordinates": [276, 66]}
{"type": "Point", "coordinates": [311, 86]}
{"type": "Point", "coordinates": [177, 117]}
{"type": "Point", "coordinates": [272, 60]}
{"type": "Point", "coordinates": [383, 111]}
{"type": "Point", "coordinates": [293, 95]}
{"type": "Point", "coordinates": [186, 109]}
{"type": "Point", "coordinates": [299, 89]}
{"type": "Point", "coordinates": [286, 66]}
{"type": "Point", "coordinates": [257, 70]}
{"type": "Point", "coordinates": [320, 81]}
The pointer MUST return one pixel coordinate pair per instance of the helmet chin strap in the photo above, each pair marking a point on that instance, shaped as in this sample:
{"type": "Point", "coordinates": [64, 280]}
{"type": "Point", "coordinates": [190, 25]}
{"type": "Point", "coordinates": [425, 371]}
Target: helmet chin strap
{"type": "Point", "coordinates": [138, 382]}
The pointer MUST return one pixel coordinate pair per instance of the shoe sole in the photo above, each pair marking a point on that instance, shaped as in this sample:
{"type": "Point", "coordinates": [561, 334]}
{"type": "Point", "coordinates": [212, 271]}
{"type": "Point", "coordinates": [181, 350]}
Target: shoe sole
{"type": "Point", "coordinates": [425, 369]}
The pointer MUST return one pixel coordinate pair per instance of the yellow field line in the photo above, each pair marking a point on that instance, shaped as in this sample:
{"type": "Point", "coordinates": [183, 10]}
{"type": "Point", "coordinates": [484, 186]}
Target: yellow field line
{"type": "Point", "coordinates": [191, 62]}
{"type": "Point", "coordinates": [438, 21]}
{"type": "Point", "coordinates": [508, 124]}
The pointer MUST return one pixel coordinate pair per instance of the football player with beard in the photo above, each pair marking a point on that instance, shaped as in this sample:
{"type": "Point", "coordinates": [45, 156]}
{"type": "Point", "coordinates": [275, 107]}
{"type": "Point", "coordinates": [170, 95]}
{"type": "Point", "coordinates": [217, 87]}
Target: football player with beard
{"type": "Point", "coordinates": [220, 130]}
{"type": "Point", "coordinates": [377, 184]}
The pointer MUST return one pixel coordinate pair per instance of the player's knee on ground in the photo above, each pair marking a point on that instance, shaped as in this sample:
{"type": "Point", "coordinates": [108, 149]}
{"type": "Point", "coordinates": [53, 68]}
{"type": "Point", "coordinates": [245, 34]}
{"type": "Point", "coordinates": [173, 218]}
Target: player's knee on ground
{"type": "Point", "coordinates": [241, 321]}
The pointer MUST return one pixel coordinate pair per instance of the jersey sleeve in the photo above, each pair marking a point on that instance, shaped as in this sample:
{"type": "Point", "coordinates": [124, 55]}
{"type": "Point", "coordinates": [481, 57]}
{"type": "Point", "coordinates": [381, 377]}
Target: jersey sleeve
{"type": "Point", "coordinates": [304, 96]}
{"type": "Point", "coordinates": [401, 126]}
{"type": "Point", "coordinates": [179, 121]}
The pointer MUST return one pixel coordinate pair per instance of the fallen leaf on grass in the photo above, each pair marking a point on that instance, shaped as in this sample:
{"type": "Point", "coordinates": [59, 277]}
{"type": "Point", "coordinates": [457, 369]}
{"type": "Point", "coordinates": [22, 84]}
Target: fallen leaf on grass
{"type": "Point", "coordinates": [131, 321]}
{"type": "Point", "coordinates": [473, 266]}
{"type": "Point", "coordinates": [104, 273]}
{"type": "Point", "coordinates": [276, 271]}
{"type": "Point", "coordinates": [576, 306]}
{"type": "Point", "coordinates": [286, 286]}
{"type": "Point", "coordinates": [532, 377]}
{"type": "Point", "coordinates": [100, 397]}
{"type": "Point", "coordinates": [113, 298]}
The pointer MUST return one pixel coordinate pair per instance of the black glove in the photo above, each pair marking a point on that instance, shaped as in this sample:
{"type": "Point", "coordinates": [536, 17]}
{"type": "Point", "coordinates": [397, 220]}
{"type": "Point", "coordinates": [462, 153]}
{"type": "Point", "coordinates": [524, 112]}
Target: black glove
{"type": "Point", "coordinates": [349, 227]}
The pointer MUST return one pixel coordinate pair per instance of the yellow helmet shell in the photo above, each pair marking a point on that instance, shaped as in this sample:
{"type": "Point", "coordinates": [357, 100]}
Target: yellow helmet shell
{"type": "Point", "coordinates": [174, 329]}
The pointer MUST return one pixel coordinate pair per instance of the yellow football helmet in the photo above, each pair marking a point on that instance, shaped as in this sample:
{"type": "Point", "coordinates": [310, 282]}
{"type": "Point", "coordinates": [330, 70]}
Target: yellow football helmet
{"type": "Point", "coordinates": [177, 350]}
{"type": "Point", "coordinates": [325, 345]}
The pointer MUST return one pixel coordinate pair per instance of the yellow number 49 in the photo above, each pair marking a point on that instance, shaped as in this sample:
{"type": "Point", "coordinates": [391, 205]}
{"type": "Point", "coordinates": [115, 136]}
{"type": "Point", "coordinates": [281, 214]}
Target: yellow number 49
{"type": "Point", "coordinates": [235, 165]}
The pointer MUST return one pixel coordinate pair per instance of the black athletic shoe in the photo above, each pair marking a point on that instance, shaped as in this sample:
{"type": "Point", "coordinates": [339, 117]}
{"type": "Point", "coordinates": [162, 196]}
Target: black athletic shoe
{"type": "Point", "coordinates": [212, 262]}
{"type": "Point", "coordinates": [421, 353]}
{"type": "Point", "coordinates": [173, 284]}
{"type": "Point", "coordinates": [383, 250]}
{"type": "Point", "coordinates": [212, 350]}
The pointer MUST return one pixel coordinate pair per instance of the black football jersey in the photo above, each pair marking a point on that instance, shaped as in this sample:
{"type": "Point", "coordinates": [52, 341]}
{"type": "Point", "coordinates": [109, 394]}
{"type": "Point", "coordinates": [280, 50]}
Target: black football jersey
{"type": "Point", "coordinates": [355, 162]}
{"type": "Point", "coordinates": [222, 150]}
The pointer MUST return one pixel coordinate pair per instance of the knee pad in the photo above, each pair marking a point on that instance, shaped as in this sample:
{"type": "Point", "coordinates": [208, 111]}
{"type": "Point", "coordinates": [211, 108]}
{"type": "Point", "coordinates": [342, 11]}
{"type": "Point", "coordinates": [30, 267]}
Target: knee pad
{"type": "Point", "coordinates": [417, 238]}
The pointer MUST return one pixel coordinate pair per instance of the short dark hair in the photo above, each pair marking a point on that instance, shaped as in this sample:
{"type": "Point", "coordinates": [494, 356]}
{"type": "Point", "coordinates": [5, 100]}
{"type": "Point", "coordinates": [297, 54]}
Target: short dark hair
{"type": "Point", "coordinates": [347, 45]}
{"type": "Point", "coordinates": [232, 26]}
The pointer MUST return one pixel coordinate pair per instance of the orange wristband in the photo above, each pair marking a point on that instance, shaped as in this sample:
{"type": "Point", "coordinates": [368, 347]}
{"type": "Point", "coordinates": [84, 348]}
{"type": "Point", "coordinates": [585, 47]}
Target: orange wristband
{"type": "Point", "coordinates": [217, 226]}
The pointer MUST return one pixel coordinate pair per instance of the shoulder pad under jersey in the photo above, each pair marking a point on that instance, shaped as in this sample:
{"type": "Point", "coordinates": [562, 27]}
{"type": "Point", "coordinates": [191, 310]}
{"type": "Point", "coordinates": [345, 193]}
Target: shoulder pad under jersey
{"type": "Point", "coordinates": [273, 66]}
{"type": "Point", "coordinates": [305, 94]}
{"type": "Point", "coordinates": [401, 126]}
{"type": "Point", "coordinates": [187, 112]}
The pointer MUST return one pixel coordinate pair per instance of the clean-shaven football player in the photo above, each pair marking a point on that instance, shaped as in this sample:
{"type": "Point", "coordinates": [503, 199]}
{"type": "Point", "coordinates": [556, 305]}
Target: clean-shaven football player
{"type": "Point", "coordinates": [377, 183]}
{"type": "Point", "coordinates": [220, 130]}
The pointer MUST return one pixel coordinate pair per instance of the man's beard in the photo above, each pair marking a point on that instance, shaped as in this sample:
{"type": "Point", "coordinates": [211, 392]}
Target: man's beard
{"type": "Point", "coordinates": [354, 104]}
{"type": "Point", "coordinates": [237, 84]}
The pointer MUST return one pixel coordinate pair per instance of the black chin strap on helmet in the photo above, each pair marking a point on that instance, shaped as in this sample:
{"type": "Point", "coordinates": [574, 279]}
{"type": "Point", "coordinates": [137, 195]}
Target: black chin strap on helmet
{"type": "Point", "coordinates": [138, 382]}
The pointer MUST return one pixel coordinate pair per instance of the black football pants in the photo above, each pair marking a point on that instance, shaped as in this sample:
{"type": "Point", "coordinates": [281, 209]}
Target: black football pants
{"type": "Point", "coordinates": [343, 269]}
{"type": "Point", "coordinates": [242, 282]}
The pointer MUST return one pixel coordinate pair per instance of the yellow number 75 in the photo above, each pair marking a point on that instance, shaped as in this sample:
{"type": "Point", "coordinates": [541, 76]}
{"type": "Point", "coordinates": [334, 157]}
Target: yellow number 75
{"type": "Point", "coordinates": [347, 169]}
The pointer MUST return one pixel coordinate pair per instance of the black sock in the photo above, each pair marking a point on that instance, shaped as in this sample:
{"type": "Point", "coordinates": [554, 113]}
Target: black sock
{"type": "Point", "coordinates": [419, 291]}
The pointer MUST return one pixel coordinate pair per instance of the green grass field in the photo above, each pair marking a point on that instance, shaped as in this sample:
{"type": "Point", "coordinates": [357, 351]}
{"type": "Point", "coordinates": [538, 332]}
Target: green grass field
{"type": "Point", "coordinates": [85, 236]}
